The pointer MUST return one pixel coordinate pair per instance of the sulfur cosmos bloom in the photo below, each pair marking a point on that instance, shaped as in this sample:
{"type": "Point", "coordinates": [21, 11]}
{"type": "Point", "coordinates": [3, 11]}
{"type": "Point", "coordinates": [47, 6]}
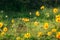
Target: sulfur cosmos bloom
{"type": "Point", "coordinates": [1, 24]}
{"type": "Point", "coordinates": [55, 10]}
{"type": "Point", "coordinates": [36, 23]}
{"type": "Point", "coordinates": [58, 35]}
{"type": "Point", "coordinates": [57, 16]}
{"type": "Point", "coordinates": [27, 35]}
{"type": "Point", "coordinates": [18, 38]}
{"type": "Point", "coordinates": [37, 13]}
{"type": "Point", "coordinates": [58, 20]}
{"type": "Point", "coordinates": [54, 30]}
{"type": "Point", "coordinates": [25, 19]}
{"type": "Point", "coordinates": [5, 29]}
{"type": "Point", "coordinates": [46, 25]}
{"type": "Point", "coordinates": [39, 34]}
{"type": "Point", "coordinates": [49, 33]}
{"type": "Point", "coordinates": [2, 33]}
{"type": "Point", "coordinates": [12, 20]}
{"type": "Point", "coordinates": [42, 7]}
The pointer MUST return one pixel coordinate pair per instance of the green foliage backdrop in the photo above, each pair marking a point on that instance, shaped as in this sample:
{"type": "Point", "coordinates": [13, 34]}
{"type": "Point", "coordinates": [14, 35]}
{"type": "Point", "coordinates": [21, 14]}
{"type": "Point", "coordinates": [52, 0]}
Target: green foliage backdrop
{"type": "Point", "coordinates": [24, 5]}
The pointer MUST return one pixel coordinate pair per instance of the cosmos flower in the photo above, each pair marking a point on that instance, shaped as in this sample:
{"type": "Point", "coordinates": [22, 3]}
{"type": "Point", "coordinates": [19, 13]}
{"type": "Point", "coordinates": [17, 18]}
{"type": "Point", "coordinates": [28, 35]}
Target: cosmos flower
{"type": "Point", "coordinates": [5, 29]}
{"type": "Point", "coordinates": [36, 23]}
{"type": "Point", "coordinates": [55, 10]}
{"type": "Point", "coordinates": [58, 35]}
{"type": "Point", "coordinates": [54, 30]}
{"type": "Point", "coordinates": [1, 24]}
{"type": "Point", "coordinates": [12, 20]}
{"type": "Point", "coordinates": [25, 19]}
{"type": "Point", "coordinates": [57, 16]}
{"type": "Point", "coordinates": [58, 20]}
{"type": "Point", "coordinates": [37, 13]}
{"type": "Point", "coordinates": [18, 38]}
{"type": "Point", "coordinates": [49, 33]}
{"type": "Point", "coordinates": [2, 33]}
{"type": "Point", "coordinates": [46, 25]}
{"type": "Point", "coordinates": [39, 34]}
{"type": "Point", "coordinates": [42, 7]}
{"type": "Point", "coordinates": [27, 35]}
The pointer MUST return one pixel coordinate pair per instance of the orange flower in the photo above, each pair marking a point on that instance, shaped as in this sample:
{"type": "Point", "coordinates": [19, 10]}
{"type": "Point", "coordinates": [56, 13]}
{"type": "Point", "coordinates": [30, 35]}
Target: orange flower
{"type": "Point", "coordinates": [58, 35]}
{"type": "Point", "coordinates": [57, 19]}
{"type": "Point", "coordinates": [46, 25]}
{"type": "Point", "coordinates": [37, 13]}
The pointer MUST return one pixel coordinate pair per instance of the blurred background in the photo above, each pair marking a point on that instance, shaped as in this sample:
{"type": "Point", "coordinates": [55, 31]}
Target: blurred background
{"type": "Point", "coordinates": [26, 5]}
{"type": "Point", "coordinates": [17, 7]}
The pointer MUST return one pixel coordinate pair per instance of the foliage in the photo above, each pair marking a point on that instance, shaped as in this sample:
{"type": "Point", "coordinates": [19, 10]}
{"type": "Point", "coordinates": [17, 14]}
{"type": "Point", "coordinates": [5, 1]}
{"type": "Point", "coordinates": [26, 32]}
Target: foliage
{"type": "Point", "coordinates": [25, 5]}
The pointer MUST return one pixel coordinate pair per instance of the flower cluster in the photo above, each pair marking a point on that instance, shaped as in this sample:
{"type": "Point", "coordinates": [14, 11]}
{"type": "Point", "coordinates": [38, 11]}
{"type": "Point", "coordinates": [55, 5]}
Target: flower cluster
{"type": "Point", "coordinates": [44, 24]}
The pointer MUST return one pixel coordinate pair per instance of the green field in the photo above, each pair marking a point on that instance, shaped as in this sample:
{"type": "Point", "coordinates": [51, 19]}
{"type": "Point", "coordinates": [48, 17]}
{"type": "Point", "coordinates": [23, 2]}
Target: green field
{"type": "Point", "coordinates": [35, 25]}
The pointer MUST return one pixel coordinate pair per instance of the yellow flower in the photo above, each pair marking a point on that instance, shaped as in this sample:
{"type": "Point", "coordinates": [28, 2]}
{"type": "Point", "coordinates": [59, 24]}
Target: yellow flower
{"type": "Point", "coordinates": [1, 24]}
{"type": "Point", "coordinates": [54, 30]}
{"type": "Point", "coordinates": [55, 10]}
{"type": "Point", "coordinates": [2, 33]}
{"type": "Point", "coordinates": [27, 35]}
{"type": "Point", "coordinates": [18, 38]}
{"type": "Point", "coordinates": [5, 29]}
{"type": "Point", "coordinates": [57, 19]}
{"type": "Point", "coordinates": [12, 20]}
{"type": "Point", "coordinates": [58, 35]}
{"type": "Point", "coordinates": [37, 13]}
{"type": "Point", "coordinates": [49, 33]}
{"type": "Point", "coordinates": [39, 34]}
{"type": "Point", "coordinates": [36, 23]}
{"type": "Point", "coordinates": [25, 19]}
{"type": "Point", "coordinates": [42, 7]}
{"type": "Point", "coordinates": [46, 25]}
{"type": "Point", "coordinates": [57, 16]}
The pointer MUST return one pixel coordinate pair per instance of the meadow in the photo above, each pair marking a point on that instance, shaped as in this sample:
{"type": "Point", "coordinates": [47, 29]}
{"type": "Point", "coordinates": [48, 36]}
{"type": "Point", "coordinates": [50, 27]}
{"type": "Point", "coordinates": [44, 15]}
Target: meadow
{"type": "Point", "coordinates": [43, 24]}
